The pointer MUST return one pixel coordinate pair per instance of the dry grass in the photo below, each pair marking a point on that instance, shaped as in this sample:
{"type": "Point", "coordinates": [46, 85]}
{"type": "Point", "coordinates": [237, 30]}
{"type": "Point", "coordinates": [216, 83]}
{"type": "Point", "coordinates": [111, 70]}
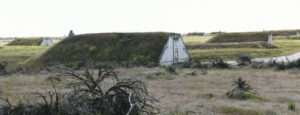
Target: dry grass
{"type": "Point", "coordinates": [191, 93]}
{"type": "Point", "coordinates": [200, 94]}
{"type": "Point", "coordinates": [16, 86]}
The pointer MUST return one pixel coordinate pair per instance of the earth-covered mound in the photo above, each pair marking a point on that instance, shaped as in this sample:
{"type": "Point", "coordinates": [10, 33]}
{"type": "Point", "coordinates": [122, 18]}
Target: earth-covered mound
{"type": "Point", "coordinates": [115, 48]}
{"type": "Point", "coordinates": [232, 45]}
{"type": "Point", "coordinates": [250, 36]}
{"type": "Point", "coordinates": [26, 42]}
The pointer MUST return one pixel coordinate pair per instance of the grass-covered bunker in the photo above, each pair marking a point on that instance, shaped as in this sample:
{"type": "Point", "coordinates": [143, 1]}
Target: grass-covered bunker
{"type": "Point", "coordinates": [251, 36]}
{"type": "Point", "coordinates": [26, 42]}
{"type": "Point", "coordinates": [118, 48]}
{"type": "Point", "coordinates": [31, 42]}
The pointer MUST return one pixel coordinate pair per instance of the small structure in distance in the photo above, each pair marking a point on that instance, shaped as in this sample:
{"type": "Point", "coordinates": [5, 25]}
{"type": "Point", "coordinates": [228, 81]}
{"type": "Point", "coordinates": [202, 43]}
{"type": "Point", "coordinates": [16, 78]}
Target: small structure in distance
{"type": "Point", "coordinates": [270, 39]}
{"type": "Point", "coordinates": [47, 42]}
{"type": "Point", "coordinates": [71, 33]}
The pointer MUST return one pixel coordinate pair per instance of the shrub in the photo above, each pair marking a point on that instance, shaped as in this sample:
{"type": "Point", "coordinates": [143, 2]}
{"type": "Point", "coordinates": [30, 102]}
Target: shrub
{"type": "Point", "coordinates": [219, 63]}
{"type": "Point", "coordinates": [92, 49]}
{"type": "Point", "coordinates": [171, 70]}
{"type": "Point", "coordinates": [241, 84]}
{"type": "Point", "coordinates": [89, 95]}
{"type": "Point", "coordinates": [195, 64]}
{"type": "Point", "coordinates": [285, 65]}
{"type": "Point", "coordinates": [277, 65]}
{"type": "Point", "coordinates": [292, 106]}
{"type": "Point", "coordinates": [243, 59]}
{"type": "Point", "coordinates": [2, 69]}
{"type": "Point", "coordinates": [241, 89]}
{"type": "Point", "coordinates": [161, 73]}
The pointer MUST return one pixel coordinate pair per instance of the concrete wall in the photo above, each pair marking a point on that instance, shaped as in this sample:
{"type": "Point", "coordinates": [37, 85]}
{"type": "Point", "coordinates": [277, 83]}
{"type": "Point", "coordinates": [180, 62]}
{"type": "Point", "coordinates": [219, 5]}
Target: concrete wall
{"type": "Point", "coordinates": [47, 42]}
{"type": "Point", "coordinates": [167, 56]}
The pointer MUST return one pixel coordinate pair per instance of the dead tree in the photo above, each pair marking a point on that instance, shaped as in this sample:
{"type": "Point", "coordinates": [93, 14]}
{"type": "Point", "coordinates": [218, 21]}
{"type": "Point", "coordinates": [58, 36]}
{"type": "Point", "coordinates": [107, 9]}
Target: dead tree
{"type": "Point", "coordinates": [106, 92]}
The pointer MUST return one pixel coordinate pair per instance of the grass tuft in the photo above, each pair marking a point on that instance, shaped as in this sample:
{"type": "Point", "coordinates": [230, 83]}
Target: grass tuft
{"type": "Point", "coordinates": [237, 111]}
{"type": "Point", "coordinates": [292, 106]}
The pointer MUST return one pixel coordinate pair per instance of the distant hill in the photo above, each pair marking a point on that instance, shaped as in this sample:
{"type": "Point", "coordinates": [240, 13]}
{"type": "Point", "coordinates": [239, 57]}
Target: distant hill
{"type": "Point", "coordinates": [195, 34]}
{"type": "Point", "coordinates": [118, 48]}
{"type": "Point", "coordinates": [250, 36]}
{"type": "Point", "coordinates": [26, 42]}
{"type": "Point", "coordinates": [231, 45]}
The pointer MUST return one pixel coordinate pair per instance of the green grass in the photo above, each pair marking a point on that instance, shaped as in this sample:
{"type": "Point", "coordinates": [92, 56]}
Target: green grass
{"type": "Point", "coordinates": [250, 36]}
{"type": "Point", "coordinates": [240, 37]}
{"type": "Point", "coordinates": [285, 47]}
{"type": "Point", "coordinates": [237, 111]}
{"type": "Point", "coordinates": [292, 106]}
{"type": "Point", "coordinates": [26, 42]}
{"type": "Point", "coordinates": [196, 39]}
{"type": "Point", "coordinates": [19, 55]}
{"type": "Point", "coordinates": [230, 45]}
{"type": "Point", "coordinates": [249, 95]}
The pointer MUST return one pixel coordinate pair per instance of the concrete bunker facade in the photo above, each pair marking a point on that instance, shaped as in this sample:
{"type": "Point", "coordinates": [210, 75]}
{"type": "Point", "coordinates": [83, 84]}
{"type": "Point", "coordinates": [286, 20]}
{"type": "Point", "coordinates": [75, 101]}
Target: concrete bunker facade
{"type": "Point", "coordinates": [174, 51]}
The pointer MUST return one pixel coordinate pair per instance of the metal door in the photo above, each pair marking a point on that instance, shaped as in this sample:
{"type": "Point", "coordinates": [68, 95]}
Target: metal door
{"type": "Point", "coordinates": [175, 53]}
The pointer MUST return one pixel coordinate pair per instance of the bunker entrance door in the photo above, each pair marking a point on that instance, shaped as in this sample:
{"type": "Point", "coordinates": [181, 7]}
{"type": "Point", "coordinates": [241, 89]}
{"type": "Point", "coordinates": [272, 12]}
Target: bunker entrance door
{"type": "Point", "coordinates": [175, 53]}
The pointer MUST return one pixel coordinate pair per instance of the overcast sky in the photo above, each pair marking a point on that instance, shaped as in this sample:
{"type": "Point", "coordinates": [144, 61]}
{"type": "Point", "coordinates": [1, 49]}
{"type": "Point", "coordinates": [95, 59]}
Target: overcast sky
{"type": "Point", "coordinates": [56, 17]}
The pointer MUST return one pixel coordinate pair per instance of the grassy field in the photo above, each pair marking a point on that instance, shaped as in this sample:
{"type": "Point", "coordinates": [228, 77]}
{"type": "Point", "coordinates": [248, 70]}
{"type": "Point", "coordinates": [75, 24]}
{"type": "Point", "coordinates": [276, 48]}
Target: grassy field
{"type": "Point", "coordinates": [201, 94]}
{"type": "Point", "coordinates": [285, 47]}
{"type": "Point", "coordinates": [19, 55]}
{"type": "Point", "coordinates": [196, 39]}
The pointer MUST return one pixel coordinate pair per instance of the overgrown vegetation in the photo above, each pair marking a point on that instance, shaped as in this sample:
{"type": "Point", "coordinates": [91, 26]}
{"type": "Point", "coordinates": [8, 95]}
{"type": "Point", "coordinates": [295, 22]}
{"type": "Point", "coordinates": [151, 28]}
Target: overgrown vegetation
{"type": "Point", "coordinates": [2, 68]}
{"type": "Point", "coordinates": [231, 45]}
{"type": "Point", "coordinates": [26, 42]}
{"type": "Point", "coordinates": [292, 106]}
{"type": "Point", "coordinates": [238, 111]}
{"type": "Point", "coordinates": [240, 37]}
{"type": "Point", "coordinates": [277, 65]}
{"type": "Point", "coordinates": [250, 36]}
{"type": "Point", "coordinates": [243, 60]}
{"type": "Point", "coordinates": [239, 92]}
{"type": "Point", "coordinates": [219, 63]}
{"type": "Point", "coordinates": [113, 48]}
{"type": "Point", "coordinates": [17, 56]}
{"type": "Point", "coordinates": [97, 91]}
{"type": "Point", "coordinates": [196, 34]}
{"type": "Point", "coordinates": [285, 47]}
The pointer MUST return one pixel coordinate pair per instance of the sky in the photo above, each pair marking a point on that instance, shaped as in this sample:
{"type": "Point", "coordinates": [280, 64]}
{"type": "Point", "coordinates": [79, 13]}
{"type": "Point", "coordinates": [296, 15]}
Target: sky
{"type": "Point", "coordinates": [25, 18]}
